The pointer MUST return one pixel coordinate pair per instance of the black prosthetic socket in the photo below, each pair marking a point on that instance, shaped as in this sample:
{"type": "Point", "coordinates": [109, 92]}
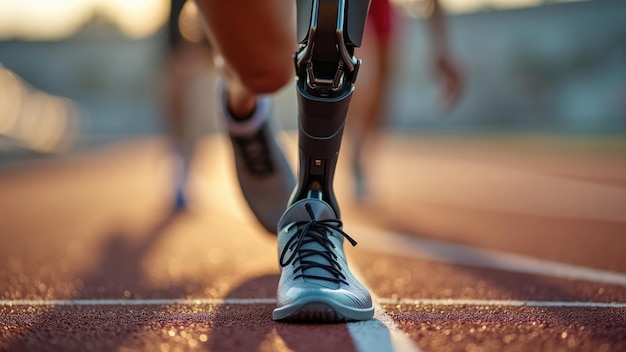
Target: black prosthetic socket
{"type": "Point", "coordinates": [326, 70]}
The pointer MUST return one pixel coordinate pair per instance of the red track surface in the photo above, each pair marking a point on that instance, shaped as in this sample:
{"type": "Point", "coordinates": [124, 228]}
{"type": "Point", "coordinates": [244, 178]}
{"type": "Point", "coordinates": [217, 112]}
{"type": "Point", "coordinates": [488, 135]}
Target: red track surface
{"type": "Point", "coordinates": [93, 227]}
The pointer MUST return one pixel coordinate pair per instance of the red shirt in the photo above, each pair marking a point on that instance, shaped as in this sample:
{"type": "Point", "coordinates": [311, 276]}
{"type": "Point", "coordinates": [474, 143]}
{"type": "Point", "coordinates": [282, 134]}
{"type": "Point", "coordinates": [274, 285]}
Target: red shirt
{"type": "Point", "coordinates": [380, 19]}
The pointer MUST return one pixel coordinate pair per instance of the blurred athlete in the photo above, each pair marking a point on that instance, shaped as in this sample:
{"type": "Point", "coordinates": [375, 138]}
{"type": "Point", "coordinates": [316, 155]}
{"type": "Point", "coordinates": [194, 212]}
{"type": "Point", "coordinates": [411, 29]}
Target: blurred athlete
{"type": "Point", "coordinates": [367, 111]}
{"type": "Point", "coordinates": [188, 55]}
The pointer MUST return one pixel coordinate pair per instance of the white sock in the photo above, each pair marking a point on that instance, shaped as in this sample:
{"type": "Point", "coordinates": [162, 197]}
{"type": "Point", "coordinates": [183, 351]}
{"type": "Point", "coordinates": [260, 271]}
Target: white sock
{"type": "Point", "coordinates": [250, 125]}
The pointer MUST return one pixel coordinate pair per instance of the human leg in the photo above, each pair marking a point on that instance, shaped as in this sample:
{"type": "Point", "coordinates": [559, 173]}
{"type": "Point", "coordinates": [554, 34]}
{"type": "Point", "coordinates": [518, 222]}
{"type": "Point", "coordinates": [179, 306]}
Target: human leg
{"type": "Point", "coordinates": [256, 43]}
{"type": "Point", "coordinates": [256, 40]}
{"type": "Point", "coordinates": [188, 55]}
{"type": "Point", "coordinates": [370, 100]}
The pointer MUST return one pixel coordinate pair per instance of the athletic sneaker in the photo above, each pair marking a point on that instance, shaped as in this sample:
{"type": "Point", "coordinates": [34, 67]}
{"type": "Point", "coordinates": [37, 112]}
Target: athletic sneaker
{"type": "Point", "coordinates": [265, 176]}
{"type": "Point", "coordinates": [315, 283]}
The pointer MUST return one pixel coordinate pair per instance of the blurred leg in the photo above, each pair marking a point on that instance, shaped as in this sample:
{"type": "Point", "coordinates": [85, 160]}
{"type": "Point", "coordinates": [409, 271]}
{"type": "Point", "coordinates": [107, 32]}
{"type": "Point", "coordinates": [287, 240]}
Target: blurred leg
{"type": "Point", "coordinates": [367, 114]}
{"type": "Point", "coordinates": [368, 107]}
{"type": "Point", "coordinates": [257, 40]}
{"type": "Point", "coordinates": [186, 58]}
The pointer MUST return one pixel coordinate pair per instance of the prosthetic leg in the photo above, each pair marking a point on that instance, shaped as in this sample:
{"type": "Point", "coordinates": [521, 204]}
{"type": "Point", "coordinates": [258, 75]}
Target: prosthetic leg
{"type": "Point", "coordinates": [326, 69]}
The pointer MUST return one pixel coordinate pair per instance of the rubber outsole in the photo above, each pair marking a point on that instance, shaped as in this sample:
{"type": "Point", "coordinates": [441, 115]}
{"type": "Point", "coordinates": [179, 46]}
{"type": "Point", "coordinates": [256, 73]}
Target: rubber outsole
{"type": "Point", "coordinates": [320, 312]}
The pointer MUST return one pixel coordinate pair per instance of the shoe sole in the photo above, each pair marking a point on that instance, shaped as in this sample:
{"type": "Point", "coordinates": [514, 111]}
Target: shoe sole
{"type": "Point", "coordinates": [317, 310]}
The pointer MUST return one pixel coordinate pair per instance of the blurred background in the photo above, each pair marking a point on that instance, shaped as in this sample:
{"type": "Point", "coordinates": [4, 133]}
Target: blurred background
{"type": "Point", "coordinates": [78, 74]}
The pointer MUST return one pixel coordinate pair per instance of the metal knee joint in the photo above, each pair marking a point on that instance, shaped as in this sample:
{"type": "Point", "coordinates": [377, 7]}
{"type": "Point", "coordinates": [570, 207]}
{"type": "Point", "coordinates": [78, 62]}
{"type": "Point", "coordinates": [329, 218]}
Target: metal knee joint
{"type": "Point", "coordinates": [325, 63]}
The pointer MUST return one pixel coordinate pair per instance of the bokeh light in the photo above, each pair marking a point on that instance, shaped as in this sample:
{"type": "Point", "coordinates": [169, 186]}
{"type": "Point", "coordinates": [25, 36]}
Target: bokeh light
{"type": "Point", "coordinates": [35, 120]}
{"type": "Point", "coordinates": [58, 19]}
{"type": "Point", "coordinates": [190, 24]}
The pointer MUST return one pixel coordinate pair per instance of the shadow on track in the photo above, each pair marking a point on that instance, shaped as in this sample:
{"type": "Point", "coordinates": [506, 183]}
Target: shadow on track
{"type": "Point", "coordinates": [257, 330]}
{"type": "Point", "coordinates": [251, 328]}
{"type": "Point", "coordinates": [117, 274]}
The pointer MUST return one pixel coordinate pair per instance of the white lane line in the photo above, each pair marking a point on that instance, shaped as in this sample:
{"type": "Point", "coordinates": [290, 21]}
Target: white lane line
{"type": "Point", "coordinates": [502, 303]}
{"type": "Point", "coordinates": [389, 242]}
{"type": "Point", "coordinates": [379, 334]}
{"type": "Point", "coordinates": [250, 301]}
{"type": "Point", "coordinates": [136, 302]}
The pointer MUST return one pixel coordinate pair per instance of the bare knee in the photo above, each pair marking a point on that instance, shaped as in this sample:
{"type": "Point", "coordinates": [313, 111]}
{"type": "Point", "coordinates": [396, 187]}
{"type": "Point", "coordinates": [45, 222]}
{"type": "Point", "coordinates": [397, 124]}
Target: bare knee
{"type": "Point", "coordinates": [264, 80]}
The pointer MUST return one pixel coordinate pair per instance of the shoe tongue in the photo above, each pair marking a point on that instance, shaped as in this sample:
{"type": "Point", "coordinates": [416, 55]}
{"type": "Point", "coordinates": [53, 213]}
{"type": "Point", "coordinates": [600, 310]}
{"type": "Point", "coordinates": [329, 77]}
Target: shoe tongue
{"type": "Point", "coordinates": [321, 211]}
{"type": "Point", "coordinates": [298, 212]}
{"type": "Point", "coordinates": [315, 271]}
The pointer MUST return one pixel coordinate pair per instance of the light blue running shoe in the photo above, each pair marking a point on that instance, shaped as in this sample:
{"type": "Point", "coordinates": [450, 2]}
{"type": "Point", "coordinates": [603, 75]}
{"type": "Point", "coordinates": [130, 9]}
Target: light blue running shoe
{"type": "Point", "coordinates": [315, 283]}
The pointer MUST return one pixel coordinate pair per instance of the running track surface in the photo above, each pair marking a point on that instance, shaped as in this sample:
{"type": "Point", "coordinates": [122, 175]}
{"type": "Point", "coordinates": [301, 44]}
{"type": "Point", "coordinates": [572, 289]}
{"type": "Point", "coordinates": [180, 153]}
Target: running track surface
{"type": "Point", "coordinates": [468, 244]}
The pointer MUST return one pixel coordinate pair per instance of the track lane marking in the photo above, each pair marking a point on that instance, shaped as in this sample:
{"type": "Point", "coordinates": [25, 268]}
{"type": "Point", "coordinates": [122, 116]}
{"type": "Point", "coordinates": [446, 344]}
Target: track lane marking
{"type": "Point", "coordinates": [380, 334]}
{"type": "Point", "coordinates": [252, 301]}
{"type": "Point", "coordinates": [503, 303]}
{"type": "Point", "coordinates": [137, 302]}
{"type": "Point", "coordinates": [394, 243]}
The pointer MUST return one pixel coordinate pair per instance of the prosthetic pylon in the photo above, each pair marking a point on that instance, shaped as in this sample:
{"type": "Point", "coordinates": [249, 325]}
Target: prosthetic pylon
{"type": "Point", "coordinates": [326, 69]}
